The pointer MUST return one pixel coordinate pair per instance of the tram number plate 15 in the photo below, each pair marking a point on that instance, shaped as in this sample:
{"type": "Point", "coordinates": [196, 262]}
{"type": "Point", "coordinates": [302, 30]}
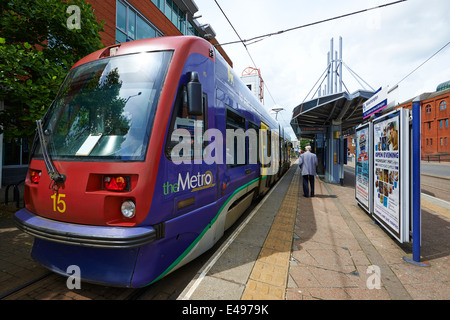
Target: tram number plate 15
{"type": "Point", "coordinates": [58, 202]}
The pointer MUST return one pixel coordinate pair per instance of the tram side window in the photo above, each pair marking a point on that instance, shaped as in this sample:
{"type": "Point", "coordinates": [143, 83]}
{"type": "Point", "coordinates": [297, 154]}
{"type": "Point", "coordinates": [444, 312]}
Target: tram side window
{"type": "Point", "coordinates": [236, 143]}
{"type": "Point", "coordinates": [181, 119]}
{"type": "Point", "coordinates": [253, 140]}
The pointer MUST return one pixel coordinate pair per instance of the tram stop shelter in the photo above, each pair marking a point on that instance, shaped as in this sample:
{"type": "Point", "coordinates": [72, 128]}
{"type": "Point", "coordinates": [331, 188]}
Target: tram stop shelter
{"type": "Point", "coordinates": [324, 120]}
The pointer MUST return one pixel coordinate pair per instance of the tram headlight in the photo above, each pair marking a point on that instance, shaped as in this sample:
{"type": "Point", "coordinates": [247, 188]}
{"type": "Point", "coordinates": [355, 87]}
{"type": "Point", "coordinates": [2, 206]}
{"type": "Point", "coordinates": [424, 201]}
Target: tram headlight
{"type": "Point", "coordinates": [128, 209]}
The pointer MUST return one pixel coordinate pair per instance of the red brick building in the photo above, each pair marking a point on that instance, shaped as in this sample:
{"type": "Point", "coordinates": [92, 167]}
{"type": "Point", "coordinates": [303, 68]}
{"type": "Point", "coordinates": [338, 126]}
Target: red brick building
{"type": "Point", "coordinates": [435, 114]}
{"type": "Point", "coordinates": [127, 20]}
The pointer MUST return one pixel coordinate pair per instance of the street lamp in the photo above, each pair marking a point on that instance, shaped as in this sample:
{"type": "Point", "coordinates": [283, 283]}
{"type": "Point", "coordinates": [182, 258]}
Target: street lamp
{"type": "Point", "coordinates": [276, 110]}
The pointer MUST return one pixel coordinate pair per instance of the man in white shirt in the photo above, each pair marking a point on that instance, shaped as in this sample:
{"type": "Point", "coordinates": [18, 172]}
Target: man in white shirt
{"type": "Point", "coordinates": [308, 162]}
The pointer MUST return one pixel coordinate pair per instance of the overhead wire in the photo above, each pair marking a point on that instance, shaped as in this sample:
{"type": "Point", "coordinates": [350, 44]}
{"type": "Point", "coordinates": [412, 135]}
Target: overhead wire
{"type": "Point", "coordinates": [245, 46]}
{"type": "Point", "coordinates": [235, 31]}
{"type": "Point", "coordinates": [409, 74]}
{"type": "Point", "coordinates": [267, 35]}
{"type": "Point", "coordinates": [253, 40]}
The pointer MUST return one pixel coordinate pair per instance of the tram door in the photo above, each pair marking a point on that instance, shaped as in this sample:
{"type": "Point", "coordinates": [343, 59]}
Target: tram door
{"type": "Point", "coordinates": [189, 180]}
{"type": "Point", "coordinates": [264, 145]}
{"type": "Point", "coordinates": [320, 150]}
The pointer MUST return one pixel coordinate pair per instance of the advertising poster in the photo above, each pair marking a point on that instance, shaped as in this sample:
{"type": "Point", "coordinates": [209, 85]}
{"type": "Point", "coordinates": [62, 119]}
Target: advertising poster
{"type": "Point", "coordinates": [362, 167]}
{"type": "Point", "coordinates": [387, 179]}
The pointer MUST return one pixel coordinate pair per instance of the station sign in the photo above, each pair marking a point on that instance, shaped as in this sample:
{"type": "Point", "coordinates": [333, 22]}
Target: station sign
{"type": "Point", "coordinates": [376, 103]}
{"type": "Point", "coordinates": [313, 130]}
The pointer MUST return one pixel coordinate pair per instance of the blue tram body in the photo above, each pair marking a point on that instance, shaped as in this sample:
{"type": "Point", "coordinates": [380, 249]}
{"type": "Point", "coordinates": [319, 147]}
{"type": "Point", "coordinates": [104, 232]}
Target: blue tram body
{"type": "Point", "coordinates": [181, 210]}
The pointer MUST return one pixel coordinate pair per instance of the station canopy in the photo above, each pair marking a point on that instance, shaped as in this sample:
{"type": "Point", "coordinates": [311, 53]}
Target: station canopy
{"type": "Point", "coordinates": [314, 116]}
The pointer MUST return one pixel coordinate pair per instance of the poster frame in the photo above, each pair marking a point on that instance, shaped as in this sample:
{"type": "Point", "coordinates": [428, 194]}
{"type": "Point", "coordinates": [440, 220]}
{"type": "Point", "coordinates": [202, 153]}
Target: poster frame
{"type": "Point", "coordinates": [402, 235]}
{"type": "Point", "coordinates": [368, 207]}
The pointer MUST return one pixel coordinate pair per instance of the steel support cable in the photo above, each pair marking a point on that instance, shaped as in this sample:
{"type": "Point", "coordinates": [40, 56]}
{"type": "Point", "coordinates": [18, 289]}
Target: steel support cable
{"type": "Point", "coordinates": [323, 75]}
{"type": "Point", "coordinates": [356, 76]}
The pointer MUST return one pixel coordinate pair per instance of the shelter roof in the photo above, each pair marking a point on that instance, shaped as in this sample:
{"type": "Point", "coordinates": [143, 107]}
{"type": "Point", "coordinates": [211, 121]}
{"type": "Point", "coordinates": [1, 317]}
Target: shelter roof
{"type": "Point", "coordinates": [320, 112]}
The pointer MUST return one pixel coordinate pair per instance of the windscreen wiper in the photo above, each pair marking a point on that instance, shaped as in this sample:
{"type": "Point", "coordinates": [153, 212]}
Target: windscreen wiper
{"type": "Point", "coordinates": [54, 175]}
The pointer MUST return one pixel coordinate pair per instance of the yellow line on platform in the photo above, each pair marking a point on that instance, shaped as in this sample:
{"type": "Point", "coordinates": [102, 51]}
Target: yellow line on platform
{"type": "Point", "coordinates": [438, 209]}
{"type": "Point", "coordinates": [269, 276]}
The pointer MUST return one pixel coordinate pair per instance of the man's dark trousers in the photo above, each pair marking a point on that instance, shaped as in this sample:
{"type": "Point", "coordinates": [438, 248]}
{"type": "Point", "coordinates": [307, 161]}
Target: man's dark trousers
{"type": "Point", "coordinates": [307, 178]}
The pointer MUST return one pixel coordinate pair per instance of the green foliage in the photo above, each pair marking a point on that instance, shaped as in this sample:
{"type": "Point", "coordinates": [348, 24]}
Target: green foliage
{"type": "Point", "coordinates": [304, 143]}
{"type": "Point", "coordinates": [37, 49]}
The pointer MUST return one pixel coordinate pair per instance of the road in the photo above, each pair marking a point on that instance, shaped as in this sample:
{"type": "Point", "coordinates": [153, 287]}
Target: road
{"type": "Point", "coordinates": [437, 169]}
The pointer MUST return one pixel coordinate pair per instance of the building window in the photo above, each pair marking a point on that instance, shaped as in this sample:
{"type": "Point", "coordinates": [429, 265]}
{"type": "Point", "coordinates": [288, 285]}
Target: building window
{"type": "Point", "coordinates": [443, 105]}
{"type": "Point", "coordinates": [130, 25]}
{"type": "Point", "coordinates": [16, 152]}
{"type": "Point", "coordinates": [442, 142]}
{"type": "Point", "coordinates": [159, 4]}
{"type": "Point", "coordinates": [428, 109]}
{"type": "Point", "coordinates": [431, 141]}
{"type": "Point", "coordinates": [427, 142]}
{"type": "Point", "coordinates": [446, 123]}
{"type": "Point", "coordinates": [192, 31]}
{"type": "Point", "coordinates": [445, 139]}
{"type": "Point", "coordinates": [429, 125]}
{"type": "Point", "coordinates": [441, 124]}
{"type": "Point", "coordinates": [172, 12]}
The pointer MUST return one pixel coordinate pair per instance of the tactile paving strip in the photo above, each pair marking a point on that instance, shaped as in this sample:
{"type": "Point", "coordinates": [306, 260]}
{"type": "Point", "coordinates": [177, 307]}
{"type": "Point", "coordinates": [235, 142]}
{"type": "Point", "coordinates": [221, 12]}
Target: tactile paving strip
{"type": "Point", "coordinates": [269, 276]}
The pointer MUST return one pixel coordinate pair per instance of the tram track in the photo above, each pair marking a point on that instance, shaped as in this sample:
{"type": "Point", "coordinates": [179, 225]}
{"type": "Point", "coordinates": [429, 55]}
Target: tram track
{"type": "Point", "coordinates": [136, 294]}
{"type": "Point", "coordinates": [437, 188]}
{"type": "Point", "coordinates": [12, 294]}
{"type": "Point", "coordinates": [52, 286]}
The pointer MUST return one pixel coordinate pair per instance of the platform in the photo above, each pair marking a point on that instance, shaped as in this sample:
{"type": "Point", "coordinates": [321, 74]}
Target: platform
{"type": "Point", "coordinates": [286, 248]}
{"type": "Point", "coordinates": [326, 247]}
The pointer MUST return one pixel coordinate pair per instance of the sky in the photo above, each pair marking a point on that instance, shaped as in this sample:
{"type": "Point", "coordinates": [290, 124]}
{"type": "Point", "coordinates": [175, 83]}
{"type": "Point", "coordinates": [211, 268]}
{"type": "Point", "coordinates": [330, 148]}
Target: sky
{"type": "Point", "coordinates": [381, 46]}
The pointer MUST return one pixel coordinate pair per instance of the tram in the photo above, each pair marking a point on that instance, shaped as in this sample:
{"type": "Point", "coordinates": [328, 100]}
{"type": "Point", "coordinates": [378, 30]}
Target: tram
{"type": "Point", "coordinates": [126, 179]}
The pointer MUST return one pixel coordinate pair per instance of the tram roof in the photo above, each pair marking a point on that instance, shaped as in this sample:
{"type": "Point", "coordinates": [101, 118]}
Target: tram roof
{"type": "Point", "coordinates": [320, 112]}
{"type": "Point", "coordinates": [184, 44]}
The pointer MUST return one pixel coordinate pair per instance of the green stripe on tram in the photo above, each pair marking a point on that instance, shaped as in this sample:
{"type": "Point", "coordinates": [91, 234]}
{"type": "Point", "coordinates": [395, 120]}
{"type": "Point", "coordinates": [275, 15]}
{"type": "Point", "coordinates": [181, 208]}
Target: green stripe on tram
{"type": "Point", "coordinates": [194, 243]}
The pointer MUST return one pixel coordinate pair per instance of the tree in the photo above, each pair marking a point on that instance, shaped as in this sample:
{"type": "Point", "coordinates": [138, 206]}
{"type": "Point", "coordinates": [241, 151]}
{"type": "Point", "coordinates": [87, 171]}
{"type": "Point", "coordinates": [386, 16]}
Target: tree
{"type": "Point", "coordinates": [303, 143]}
{"type": "Point", "coordinates": [38, 45]}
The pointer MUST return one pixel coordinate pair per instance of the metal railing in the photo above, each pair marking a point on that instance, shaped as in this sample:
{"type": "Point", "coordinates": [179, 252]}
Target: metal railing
{"type": "Point", "coordinates": [436, 157]}
{"type": "Point", "coordinates": [16, 193]}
